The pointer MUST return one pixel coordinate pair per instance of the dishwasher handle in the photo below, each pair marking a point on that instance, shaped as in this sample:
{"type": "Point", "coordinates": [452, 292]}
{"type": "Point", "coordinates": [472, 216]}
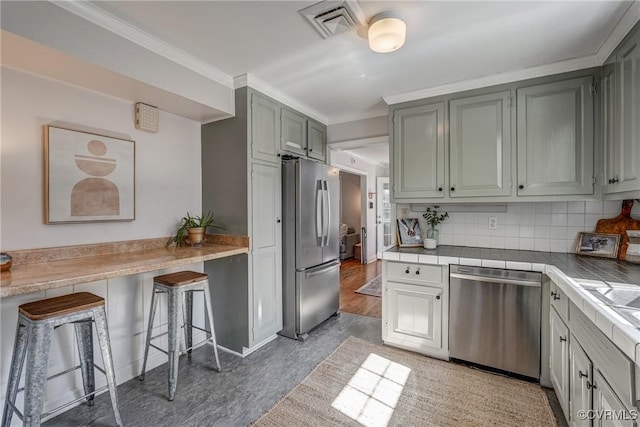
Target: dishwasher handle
{"type": "Point", "coordinates": [496, 280]}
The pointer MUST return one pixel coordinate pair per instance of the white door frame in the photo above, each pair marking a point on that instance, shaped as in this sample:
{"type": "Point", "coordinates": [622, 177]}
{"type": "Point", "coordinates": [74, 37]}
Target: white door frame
{"type": "Point", "coordinates": [380, 247]}
{"type": "Point", "coordinates": [363, 200]}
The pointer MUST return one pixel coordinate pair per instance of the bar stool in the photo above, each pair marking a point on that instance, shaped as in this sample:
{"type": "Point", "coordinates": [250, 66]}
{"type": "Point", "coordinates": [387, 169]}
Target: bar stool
{"type": "Point", "coordinates": [36, 323]}
{"type": "Point", "coordinates": [179, 288]}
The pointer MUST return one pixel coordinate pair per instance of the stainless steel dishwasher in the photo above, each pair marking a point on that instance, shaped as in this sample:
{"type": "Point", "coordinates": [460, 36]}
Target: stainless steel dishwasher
{"type": "Point", "coordinates": [494, 318]}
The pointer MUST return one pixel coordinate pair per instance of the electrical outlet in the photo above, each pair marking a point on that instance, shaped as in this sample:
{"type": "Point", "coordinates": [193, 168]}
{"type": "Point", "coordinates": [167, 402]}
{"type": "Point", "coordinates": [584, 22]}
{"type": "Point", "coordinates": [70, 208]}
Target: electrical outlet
{"type": "Point", "coordinates": [493, 223]}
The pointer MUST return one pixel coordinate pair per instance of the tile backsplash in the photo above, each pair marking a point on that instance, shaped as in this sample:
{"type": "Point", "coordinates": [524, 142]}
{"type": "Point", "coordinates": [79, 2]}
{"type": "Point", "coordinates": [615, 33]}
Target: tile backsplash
{"type": "Point", "coordinates": [541, 226]}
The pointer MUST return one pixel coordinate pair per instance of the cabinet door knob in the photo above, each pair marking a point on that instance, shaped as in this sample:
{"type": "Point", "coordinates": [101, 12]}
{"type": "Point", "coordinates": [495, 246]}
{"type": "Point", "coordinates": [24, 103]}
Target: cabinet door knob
{"type": "Point", "coordinates": [417, 272]}
{"type": "Point", "coordinates": [407, 270]}
{"type": "Point", "coordinates": [563, 339]}
{"type": "Point", "coordinates": [453, 188]}
{"type": "Point", "coordinates": [581, 375]}
{"type": "Point", "coordinates": [437, 296]}
{"type": "Point", "coordinates": [521, 187]}
{"type": "Point", "coordinates": [591, 386]}
{"type": "Point", "coordinates": [278, 154]}
{"type": "Point", "coordinates": [310, 149]}
{"type": "Point", "coordinates": [439, 188]}
{"type": "Point", "coordinates": [278, 220]}
{"type": "Point", "coordinates": [555, 296]}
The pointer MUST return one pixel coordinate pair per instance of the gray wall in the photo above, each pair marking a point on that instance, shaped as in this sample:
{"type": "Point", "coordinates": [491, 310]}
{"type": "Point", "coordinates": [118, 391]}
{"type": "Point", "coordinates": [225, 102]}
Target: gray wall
{"type": "Point", "coordinates": [350, 200]}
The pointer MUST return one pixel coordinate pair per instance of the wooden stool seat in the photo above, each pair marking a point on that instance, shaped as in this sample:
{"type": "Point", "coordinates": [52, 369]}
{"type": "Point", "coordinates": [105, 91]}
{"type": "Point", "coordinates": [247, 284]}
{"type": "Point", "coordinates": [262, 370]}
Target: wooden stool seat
{"type": "Point", "coordinates": [58, 306]}
{"type": "Point", "coordinates": [180, 278]}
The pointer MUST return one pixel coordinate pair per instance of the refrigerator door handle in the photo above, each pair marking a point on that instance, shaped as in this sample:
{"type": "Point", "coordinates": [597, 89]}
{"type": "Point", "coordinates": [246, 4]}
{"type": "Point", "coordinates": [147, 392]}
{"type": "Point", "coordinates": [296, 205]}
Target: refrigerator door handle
{"type": "Point", "coordinates": [319, 213]}
{"type": "Point", "coordinates": [327, 217]}
{"type": "Point", "coordinates": [318, 271]}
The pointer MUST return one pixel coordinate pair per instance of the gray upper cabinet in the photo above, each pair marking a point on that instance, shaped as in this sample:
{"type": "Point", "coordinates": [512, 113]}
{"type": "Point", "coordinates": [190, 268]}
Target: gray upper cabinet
{"type": "Point", "coordinates": [294, 132]}
{"type": "Point", "coordinates": [625, 174]}
{"type": "Point", "coordinates": [316, 140]}
{"type": "Point", "coordinates": [480, 145]}
{"type": "Point", "coordinates": [265, 128]}
{"type": "Point", "coordinates": [418, 151]}
{"type": "Point", "coordinates": [609, 129]}
{"type": "Point", "coordinates": [555, 138]}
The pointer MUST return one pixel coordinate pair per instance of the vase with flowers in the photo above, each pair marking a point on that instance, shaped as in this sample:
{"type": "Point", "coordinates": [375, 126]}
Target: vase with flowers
{"type": "Point", "coordinates": [433, 218]}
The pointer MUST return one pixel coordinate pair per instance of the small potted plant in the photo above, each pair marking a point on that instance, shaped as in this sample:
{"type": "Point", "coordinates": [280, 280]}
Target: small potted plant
{"type": "Point", "coordinates": [433, 218]}
{"type": "Point", "coordinates": [192, 229]}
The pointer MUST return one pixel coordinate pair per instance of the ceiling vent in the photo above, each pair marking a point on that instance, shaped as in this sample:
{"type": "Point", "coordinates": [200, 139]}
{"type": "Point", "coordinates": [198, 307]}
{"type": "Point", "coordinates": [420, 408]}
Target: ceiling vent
{"type": "Point", "coordinates": [333, 17]}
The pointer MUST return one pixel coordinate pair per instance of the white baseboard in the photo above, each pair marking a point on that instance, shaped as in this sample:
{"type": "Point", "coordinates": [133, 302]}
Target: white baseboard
{"type": "Point", "coordinates": [247, 351]}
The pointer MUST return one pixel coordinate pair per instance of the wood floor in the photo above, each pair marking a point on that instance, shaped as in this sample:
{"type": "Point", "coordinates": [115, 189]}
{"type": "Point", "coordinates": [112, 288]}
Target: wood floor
{"type": "Point", "coordinates": [352, 276]}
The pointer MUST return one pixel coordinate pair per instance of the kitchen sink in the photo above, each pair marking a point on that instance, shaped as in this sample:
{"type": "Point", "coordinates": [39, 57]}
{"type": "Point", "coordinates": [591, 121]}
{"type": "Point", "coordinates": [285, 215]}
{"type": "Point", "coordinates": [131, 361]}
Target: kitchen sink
{"type": "Point", "coordinates": [624, 300]}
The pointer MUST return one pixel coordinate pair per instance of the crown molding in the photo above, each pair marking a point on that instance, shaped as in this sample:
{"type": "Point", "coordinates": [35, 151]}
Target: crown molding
{"type": "Point", "coordinates": [111, 23]}
{"type": "Point", "coordinates": [622, 28]}
{"type": "Point", "coordinates": [352, 117]}
{"type": "Point", "coordinates": [257, 84]}
{"type": "Point", "coordinates": [496, 79]}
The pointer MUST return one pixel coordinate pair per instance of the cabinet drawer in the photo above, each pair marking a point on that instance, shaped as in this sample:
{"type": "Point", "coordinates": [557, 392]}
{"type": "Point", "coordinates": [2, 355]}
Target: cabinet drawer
{"type": "Point", "coordinates": [559, 301]}
{"type": "Point", "coordinates": [415, 272]}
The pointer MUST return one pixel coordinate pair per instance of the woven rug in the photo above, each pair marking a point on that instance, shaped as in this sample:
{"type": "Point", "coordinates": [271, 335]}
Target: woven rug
{"type": "Point", "coordinates": [364, 384]}
{"type": "Point", "coordinates": [372, 287]}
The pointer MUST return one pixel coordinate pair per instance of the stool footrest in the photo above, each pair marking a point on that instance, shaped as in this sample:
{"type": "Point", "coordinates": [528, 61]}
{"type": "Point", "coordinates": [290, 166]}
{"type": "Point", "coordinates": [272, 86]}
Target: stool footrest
{"type": "Point", "coordinates": [59, 374]}
{"type": "Point", "coordinates": [200, 329]}
{"type": "Point", "coordinates": [53, 411]}
{"type": "Point", "coordinates": [158, 348]}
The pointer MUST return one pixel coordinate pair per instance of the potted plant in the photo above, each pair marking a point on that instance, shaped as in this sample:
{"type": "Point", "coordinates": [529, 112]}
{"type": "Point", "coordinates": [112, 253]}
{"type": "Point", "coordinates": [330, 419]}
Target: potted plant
{"type": "Point", "coordinates": [192, 229]}
{"type": "Point", "coordinates": [433, 218]}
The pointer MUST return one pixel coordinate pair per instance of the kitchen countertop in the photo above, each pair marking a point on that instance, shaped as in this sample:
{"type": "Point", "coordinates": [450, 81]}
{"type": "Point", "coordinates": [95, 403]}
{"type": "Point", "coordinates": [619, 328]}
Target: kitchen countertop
{"type": "Point", "coordinates": [568, 271]}
{"type": "Point", "coordinates": [50, 274]}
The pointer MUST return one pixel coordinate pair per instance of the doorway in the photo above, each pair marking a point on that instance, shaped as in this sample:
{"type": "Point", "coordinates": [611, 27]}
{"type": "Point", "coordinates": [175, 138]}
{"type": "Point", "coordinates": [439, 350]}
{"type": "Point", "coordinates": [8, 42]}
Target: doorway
{"type": "Point", "coordinates": [350, 216]}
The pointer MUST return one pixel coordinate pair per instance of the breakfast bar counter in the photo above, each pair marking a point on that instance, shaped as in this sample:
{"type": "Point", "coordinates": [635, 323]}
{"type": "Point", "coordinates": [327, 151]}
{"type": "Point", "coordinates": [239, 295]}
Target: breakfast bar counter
{"type": "Point", "coordinates": [36, 271]}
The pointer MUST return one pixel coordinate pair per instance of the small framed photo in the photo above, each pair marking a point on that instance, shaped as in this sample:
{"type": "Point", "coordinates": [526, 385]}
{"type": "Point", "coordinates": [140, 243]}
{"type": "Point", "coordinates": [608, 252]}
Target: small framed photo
{"type": "Point", "coordinates": [409, 233]}
{"type": "Point", "coordinates": [597, 244]}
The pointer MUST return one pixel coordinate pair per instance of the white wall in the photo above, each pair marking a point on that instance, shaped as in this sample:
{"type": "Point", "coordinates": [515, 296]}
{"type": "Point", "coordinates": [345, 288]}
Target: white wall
{"type": "Point", "coordinates": [168, 167]}
{"type": "Point", "coordinates": [358, 129]}
{"type": "Point", "coordinates": [168, 183]}
{"type": "Point", "coordinates": [547, 227]}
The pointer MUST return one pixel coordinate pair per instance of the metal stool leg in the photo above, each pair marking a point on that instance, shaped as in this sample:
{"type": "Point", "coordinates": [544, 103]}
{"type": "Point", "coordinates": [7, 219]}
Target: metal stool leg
{"type": "Point", "coordinates": [188, 321]}
{"type": "Point", "coordinates": [209, 313]}
{"type": "Point", "coordinates": [84, 338]}
{"type": "Point", "coordinates": [175, 304]}
{"type": "Point", "coordinates": [38, 352]}
{"type": "Point", "coordinates": [17, 362]}
{"type": "Point", "coordinates": [102, 330]}
{"type": "Point", "coordinates": [152, 315]}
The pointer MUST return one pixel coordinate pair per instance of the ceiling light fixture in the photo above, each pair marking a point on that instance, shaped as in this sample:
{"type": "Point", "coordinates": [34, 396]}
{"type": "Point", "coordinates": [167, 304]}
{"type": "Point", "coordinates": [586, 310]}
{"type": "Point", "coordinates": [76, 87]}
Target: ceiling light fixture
{"type": "Point", "coordinates": [387, 32]}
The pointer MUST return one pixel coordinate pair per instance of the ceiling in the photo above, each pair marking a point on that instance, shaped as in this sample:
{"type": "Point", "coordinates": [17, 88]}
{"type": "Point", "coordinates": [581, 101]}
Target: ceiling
{"type": "Point", "coordinates": [447, 41]}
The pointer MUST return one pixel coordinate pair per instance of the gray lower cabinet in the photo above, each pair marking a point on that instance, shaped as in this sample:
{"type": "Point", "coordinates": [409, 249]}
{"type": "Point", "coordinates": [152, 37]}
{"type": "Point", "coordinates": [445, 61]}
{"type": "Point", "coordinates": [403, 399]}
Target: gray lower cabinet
{"type": "Point", "coordinates": [418, 154]}
{"type": "Point", "coordinates": [242, 186]}
{"type": "Point", "coordinates": [559, 359]}
{"type": "Point", "coordinates": [293, 137]}
{"type": "Point", "coordinates": [480, 145]}
{"type": "Point", "coordinates": [316, 140]}
{"type": "Point", "coordinates": [580, 384]}
{"type": "Point", "coordinates": [621, 125]}
{"type": "Point", "coordinates": [605, 401]}
{"type": "Point", "coordinates": [555, 138]}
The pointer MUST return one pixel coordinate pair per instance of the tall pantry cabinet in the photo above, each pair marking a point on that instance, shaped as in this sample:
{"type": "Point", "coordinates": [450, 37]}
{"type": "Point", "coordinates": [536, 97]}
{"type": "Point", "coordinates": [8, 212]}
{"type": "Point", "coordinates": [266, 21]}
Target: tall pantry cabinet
{"type": "Point", "coordinates": [241, 185]}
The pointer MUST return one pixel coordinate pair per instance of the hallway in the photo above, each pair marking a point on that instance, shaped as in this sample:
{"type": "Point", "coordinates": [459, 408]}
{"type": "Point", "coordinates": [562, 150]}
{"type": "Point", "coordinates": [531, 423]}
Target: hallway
{"type": "Point", "coordinates": [352, 276]}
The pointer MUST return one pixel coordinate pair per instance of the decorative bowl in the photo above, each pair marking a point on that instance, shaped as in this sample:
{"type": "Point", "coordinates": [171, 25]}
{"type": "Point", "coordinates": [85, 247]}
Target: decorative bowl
{"type": "Point", "coordinates": [5, 261]}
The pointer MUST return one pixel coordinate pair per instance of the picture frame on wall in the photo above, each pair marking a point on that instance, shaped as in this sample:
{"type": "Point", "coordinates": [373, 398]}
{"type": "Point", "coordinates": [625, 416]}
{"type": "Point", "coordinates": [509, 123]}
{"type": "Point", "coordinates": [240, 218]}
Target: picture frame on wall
{"type": "Point", "coordinates": [408, 232]}
{"type": "Point", "coordinates": [598, 245]}
{"type": "Point", "coordinates": [88, 177]}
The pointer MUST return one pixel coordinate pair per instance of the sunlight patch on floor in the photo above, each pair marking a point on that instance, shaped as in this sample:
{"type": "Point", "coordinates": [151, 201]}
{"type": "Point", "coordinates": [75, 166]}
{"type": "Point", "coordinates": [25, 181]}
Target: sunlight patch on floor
{"type": "Point", "coordinates": [373, 392]}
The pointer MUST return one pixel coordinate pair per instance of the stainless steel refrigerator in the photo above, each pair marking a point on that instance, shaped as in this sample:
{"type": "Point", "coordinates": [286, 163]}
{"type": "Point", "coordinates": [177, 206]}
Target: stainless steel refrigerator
{"type": "Point", "coordinates": [311, 266]}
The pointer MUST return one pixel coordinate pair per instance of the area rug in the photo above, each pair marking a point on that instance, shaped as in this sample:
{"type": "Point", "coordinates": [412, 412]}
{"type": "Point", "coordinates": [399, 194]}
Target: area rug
{"type": "Point", "coordinates": [372, 287]}
{"type": "Point", "coordinates": [364, 384]}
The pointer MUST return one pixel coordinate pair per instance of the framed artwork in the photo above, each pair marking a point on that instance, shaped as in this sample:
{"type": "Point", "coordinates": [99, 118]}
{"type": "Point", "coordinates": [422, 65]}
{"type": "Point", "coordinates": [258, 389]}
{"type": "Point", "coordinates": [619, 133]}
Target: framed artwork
{"type": "Point", "coordinates": [597, 244]}
{"type": "Point", "coordinates": [409, 233]}
{"type": "Point", "coordinates": [88, 177]}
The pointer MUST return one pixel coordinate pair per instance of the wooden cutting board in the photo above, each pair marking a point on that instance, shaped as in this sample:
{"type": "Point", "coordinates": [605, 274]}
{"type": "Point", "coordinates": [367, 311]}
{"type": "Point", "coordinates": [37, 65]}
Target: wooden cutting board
{"type": "Point", "coordinates": [620, 225]}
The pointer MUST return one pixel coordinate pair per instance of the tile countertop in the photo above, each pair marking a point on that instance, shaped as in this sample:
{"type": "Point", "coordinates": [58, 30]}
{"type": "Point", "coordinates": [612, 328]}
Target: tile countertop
{"type": "Point", "coordinates": [32, 277]}
{"type": "Point", "coordinates": [566, 270]}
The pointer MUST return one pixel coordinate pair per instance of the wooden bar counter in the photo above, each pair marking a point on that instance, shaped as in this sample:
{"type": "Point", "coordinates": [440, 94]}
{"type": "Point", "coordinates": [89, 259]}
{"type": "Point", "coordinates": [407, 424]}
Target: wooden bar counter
{"type": "Point", "coordinates": [42, 269]}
